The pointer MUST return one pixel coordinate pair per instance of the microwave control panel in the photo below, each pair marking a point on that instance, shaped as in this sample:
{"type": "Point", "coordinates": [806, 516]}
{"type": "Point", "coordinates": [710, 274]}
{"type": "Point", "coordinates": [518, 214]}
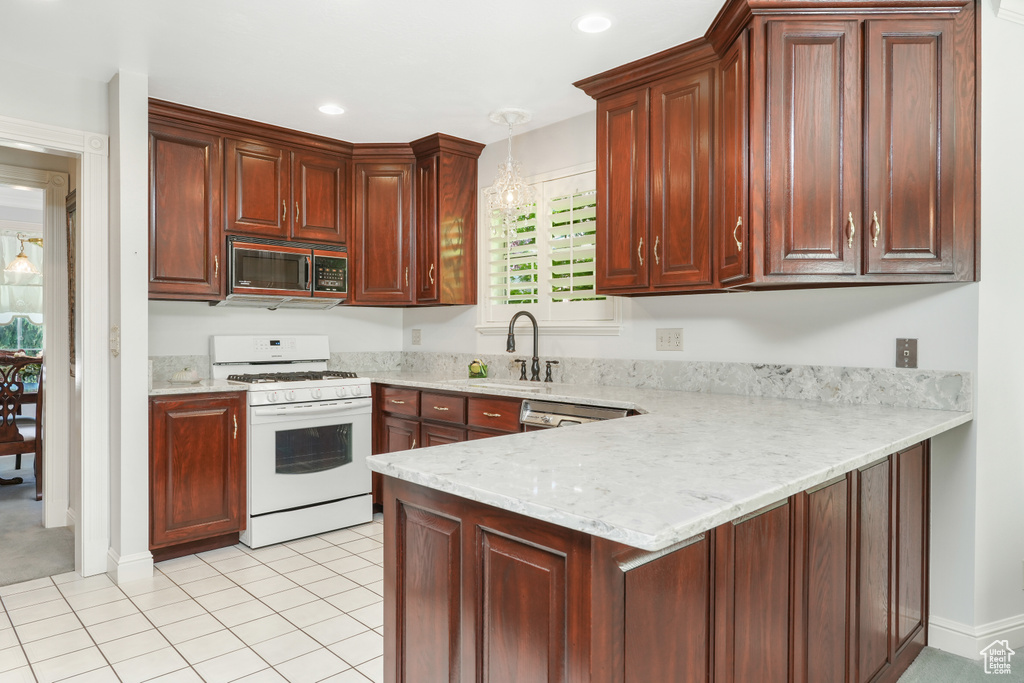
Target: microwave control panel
{"type": "Point", "coordinates": [330, 274]}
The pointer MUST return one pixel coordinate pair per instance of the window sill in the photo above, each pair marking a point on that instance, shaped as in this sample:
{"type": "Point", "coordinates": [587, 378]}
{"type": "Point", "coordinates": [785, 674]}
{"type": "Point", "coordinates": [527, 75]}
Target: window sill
{"type": "Point", "coordinates": [555, 328]}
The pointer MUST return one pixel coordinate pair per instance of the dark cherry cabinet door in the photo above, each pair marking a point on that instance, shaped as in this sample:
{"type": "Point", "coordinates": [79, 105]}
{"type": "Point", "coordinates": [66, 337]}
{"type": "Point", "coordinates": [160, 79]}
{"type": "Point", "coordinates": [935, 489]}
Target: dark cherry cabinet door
{"type": "Point", "coordinates": [318, 198]}
{"type": "Point", "coordinates": [814, 147]}
{"type": "Point", "coordinates": [427, 226]}
{"type": "Point", "coordinates": [256, 183]}
{"type": "Point", "coordinates": [910, 130]}
{"type": "Point", "coordinates": [753, 580]}
{"type": "Point", "coordinates": [874, 588]}
{"type": "Point", "coordinates": [399, 434]}
{"type": "Point", "coordinates": [732, 214]}
{"type": "Point", "coordinates": [186, 252]}
{"type": "Point", "coordinates": [680, 140]}
{"type": "Point", "coordinates": [383, 233]}
{"type": "Point", "coordinates": [823, 573]}
{"type": "Point", "coordinates": [910, 584]}
{"type": "Point", "coordinates": [622, 179]}
{"type": "Point", "coordinates": [437, 435]}
{"type": "Point", "coordinates": [197, 467]}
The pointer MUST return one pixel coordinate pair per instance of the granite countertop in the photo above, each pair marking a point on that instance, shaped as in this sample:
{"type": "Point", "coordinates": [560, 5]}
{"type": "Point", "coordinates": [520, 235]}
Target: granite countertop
{"type": "Point", "coordinates": [692, 461]}
{"type": "Point", "coordinates": [204, 386]}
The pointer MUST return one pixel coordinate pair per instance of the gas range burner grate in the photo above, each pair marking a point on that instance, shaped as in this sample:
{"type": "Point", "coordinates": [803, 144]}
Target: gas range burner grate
{"type": "Point", "coordinates": [266, 377]}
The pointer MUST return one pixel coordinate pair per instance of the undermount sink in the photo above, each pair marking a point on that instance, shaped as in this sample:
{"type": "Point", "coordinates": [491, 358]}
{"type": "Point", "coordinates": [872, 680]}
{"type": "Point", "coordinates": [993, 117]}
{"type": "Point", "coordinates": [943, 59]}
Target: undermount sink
{"type": "Point", "coordinates": [485, 383]}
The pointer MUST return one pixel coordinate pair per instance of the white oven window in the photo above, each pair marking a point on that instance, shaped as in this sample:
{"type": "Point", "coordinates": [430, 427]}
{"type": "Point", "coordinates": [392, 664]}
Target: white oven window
{"type": "Point", "coordinates": [313, 449]}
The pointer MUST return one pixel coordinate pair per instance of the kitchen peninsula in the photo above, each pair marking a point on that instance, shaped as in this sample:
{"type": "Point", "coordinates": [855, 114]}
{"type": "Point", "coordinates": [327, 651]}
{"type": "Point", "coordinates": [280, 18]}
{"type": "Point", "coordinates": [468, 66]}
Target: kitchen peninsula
{"type": "Point", "coordinates": [748, 538]}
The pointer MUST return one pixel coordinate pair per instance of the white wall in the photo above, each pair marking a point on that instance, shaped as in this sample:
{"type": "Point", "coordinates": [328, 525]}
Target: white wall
{"type": "Point", "coordinates": [1000, 467]}
{"type": "Point", "coordinates": [847, 327]}
{"type": "Point", "coordinates": [185, 327]}
{"type": "Point", "coordinates": [34, 94]}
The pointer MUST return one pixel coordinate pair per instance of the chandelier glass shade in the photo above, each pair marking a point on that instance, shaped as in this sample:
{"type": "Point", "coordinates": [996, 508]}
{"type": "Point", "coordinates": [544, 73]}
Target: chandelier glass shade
{"type": "Point", "coordinates": [510, 196]}
{"type": "Point", "coordinates": [21, 264]}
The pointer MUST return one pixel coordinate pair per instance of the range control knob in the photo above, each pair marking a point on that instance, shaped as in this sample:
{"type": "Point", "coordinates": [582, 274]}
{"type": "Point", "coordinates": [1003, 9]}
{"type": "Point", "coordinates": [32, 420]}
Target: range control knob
{"type": "Point", "coordinates": [317, 393]}
{"type": "Point", "coordinates": [340, 391]}
{"type": "Point", "coordinates": [271, 397]}
{"type": "Point", "coordinates": [357, 391]}
{"type": "Point", "coordinates": [289, 395]}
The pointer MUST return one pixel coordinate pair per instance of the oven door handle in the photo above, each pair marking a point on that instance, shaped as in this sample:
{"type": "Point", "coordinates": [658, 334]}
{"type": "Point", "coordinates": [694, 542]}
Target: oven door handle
{"type": "Point", "coordinates": [345, 408]}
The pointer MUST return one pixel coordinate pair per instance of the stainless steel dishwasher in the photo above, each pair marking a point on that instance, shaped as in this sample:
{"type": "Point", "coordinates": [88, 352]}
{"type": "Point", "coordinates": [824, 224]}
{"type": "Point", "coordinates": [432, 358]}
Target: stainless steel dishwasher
{"type": "Point", "coordinates": [544, 414]}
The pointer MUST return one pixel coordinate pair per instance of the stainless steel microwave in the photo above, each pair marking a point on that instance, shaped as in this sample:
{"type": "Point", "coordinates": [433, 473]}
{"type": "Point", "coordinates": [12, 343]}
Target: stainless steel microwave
{"type": "Point", "coordinates": [272, 274]}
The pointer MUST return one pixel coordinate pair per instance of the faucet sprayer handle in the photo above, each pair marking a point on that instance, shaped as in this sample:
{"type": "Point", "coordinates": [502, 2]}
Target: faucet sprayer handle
{"type": "Point", "coordinates": [522, 367]}
{"type": "Point", "coordinates": [547, 374]}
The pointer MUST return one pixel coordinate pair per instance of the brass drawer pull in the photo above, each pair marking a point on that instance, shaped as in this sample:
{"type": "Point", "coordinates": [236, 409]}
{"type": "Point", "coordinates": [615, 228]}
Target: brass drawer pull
{"type": "Point", "coordinates": [413, 444]}
{"type": "Point", "coordinates": [440, 408]}
{"type": "Point", "coordinates": [657, 261]}
{"type": "Point", "coordinates": [235, 419]}
{"type": "Point", "coordinates": [297, 212]}
{"type": "Point", "coordinates": [430, 274]}
{"type": "Point", "coordinates": [395, 400]}
{"type": "Point", "coordinates": [876, 229]}
{"type": "Point", "coordinates": [216, 266]}
{"type": "Point", "coordinates": [284, 211]}
{"type": "Point", "coordinates": [493, 414]}
{"type": "Point", "coordinates": [853, 230]}
{"type": "Point", "coordinates": [638, 248]}
{"type": "Point", "coordinates": [739, 224]}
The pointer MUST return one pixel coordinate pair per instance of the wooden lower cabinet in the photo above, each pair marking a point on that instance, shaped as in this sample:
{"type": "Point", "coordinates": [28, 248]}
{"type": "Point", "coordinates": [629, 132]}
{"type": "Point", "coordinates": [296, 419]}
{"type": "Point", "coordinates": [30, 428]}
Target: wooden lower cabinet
{"type": "Point", "coordinates": [829, 585]}
{"type": "Point", "coordinates": [197, 469]}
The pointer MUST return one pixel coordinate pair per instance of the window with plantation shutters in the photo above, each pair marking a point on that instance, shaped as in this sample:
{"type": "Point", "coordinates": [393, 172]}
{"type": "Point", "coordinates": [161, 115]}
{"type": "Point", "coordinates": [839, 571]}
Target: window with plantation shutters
{"type": "Point", "coordinates": [545, 262]}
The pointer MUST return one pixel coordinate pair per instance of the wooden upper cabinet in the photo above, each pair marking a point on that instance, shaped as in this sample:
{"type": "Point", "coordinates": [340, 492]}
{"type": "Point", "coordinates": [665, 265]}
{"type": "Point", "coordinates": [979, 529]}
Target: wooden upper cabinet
{"type": "Point", "coordinates": [318, 185]}
{"type": "Point", "coordinates": [383, 233]}
{"type": "Point", "coordinates": [186, 252]}
{"type": "Point", "coordinates": [258, 189]}
{"type": "Point", "coordinates": [680, 235]}
{"type": "Point", "coordinates": [446, 219]}
{"type": "Point", "coordinates": [910, 145]}
{"type": "Point", "coordinates": [732, 165]}
{"type": "Point", "coordinates": [622, 178]}
{"type": "Point", "coordinates": [813, 147]}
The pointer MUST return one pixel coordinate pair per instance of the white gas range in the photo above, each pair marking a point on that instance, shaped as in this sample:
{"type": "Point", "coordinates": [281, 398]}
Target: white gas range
{"type": "Point", "coordinates": [309, 436]}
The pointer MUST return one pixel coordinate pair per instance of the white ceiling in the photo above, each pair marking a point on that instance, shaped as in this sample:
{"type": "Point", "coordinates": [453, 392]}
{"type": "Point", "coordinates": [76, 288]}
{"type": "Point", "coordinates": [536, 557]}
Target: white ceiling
{"type": "Point", "coordinates": [401, 68]}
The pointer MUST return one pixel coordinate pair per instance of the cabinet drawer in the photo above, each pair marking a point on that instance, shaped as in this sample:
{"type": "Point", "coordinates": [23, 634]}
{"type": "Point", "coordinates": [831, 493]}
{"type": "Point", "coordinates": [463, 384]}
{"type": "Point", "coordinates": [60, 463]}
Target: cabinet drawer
{"type": "Point", "coordinates": [400, 401]}
{"type": "Point", "coordinates": [494, 413]}
{"type": "Point", "coordinates": [443, 408]}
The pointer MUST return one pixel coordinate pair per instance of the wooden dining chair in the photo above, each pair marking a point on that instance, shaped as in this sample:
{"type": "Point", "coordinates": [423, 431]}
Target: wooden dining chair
{"type": "Point", "coordinates": [12, 398]}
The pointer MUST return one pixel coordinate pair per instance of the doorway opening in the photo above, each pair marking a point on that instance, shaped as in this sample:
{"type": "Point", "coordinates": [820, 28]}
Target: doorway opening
{"type": "Point", "coordinates": [32, 228]}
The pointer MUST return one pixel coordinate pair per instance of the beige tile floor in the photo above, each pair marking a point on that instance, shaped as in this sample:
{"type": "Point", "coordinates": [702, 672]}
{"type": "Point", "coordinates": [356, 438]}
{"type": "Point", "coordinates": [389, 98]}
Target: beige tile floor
{"type": "Point", "coordinates": [308, 610]}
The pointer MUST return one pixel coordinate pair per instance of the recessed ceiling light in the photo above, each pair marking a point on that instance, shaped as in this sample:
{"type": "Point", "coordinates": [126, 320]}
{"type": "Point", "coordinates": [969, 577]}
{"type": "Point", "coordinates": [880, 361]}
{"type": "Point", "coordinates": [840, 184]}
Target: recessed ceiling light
{"type": "Point", "coordinates": [592, 23]}
{"type": "Point", "coordinates": [332, 109]}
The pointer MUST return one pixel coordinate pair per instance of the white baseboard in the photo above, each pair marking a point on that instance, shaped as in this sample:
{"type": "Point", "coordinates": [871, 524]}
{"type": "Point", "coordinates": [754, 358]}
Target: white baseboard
{"type": "Point", "coordinates": [968, 641]}
{"type": "Point", "coordinates": [72, 519]}
{"type": "Point", "coordinates": [129, 567]}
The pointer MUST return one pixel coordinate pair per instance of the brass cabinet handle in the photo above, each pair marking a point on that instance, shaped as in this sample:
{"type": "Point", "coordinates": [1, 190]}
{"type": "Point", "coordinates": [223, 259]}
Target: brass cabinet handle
{"type": "Point", "coordinates": [407, 276]}
{"type": "Point", "coordinates": [876, 229]}
{"type": "Point", "coordinates": [440, 408]}
{"type": "Point", "coordinates": [853, 230]}
{"type": "Point", "coordinates": [297, 212]}
{"type": "Point", "coordinates": [493, 414]}
{"type": "Point", "coordinates": [235, 419]}
{"type": "Point", "coordinates": [284, 211]}
{"type": "Point", "coordinates": [739, 224]}
{"type": "Point", "coordinates": [413, 444]}
{"type": "Point", "coordinates": [430, 274]}
{"type": "Point", "coordinates": [638, 248]}
{"type": "Point", "coordinates": [395, 400]}
{"type": "Point", "coordinates": [216, 266]}
{"type": "Point", "coordinates": [656, 259]}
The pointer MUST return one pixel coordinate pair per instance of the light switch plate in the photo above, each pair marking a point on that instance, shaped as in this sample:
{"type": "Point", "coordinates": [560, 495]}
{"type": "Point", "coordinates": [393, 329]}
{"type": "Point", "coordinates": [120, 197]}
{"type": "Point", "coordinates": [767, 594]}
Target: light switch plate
{"type": "Point", "coordinates": [906, 353]}
{"type": "Point", "coordinates": [417, 336]}
{"type": "Point", "coordinates": [669, 339]}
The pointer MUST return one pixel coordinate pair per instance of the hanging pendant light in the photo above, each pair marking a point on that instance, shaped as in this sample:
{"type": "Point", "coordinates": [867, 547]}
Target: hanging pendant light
{"type": "Point", "coordinates": [21, 265]}
{"type": "Point", "coordinates": [510, 195]}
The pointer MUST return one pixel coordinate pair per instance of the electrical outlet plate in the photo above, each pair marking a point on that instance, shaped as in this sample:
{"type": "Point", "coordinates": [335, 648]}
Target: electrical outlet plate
{"type": "Point", "coordinates": [906, 353]}
{"type": "Point", "coordinates": [417, 336]}
{"type": "Point", "coordinates": [669, 339]}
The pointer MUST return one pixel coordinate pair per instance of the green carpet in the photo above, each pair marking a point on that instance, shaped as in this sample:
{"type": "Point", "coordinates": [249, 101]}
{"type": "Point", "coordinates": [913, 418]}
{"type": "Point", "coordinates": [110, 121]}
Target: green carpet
{"type": "Point", "coordinates": [27, 549]}
{"type": "Point", "coordinates": [936, 666]}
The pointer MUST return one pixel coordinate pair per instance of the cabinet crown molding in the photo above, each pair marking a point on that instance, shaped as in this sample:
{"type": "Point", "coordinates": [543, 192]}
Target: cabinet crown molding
{"type": "Point", "coordinates": [686, 56]}
{"type": "Point", "coordinates": [441, 142]}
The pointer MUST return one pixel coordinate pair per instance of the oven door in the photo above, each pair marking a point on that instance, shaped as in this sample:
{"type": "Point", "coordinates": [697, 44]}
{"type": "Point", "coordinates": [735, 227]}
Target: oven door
{"type": "Point", "coordinates": [307, 453]}
{"type": "Point", "coordinates": [270, 269]}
